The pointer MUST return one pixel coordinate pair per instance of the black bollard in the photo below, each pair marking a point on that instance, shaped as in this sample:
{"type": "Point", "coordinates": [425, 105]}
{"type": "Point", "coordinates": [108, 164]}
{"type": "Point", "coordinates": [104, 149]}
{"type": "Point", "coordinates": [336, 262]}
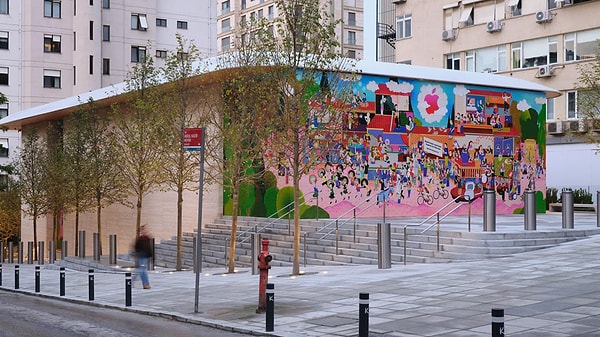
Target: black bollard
{"type": "Point", "coordinates": [0, 274]}
{"type": "Point", "coordinates": [62, 281]}
{"type": "Point", "coordinates": [363, 315]}
{"type": "Point", "coordinates": [91, 284]}
{"type": "Point", "coordinates": [127, 289]}
{"type": "Point", "coordinates": [497, 322]}
{"type": "Point", "coordinates": [37, 279]}
{"type": "Point", "coordinates": [17, 276]}
{"type": "Point", "coordinates": [270, 307]}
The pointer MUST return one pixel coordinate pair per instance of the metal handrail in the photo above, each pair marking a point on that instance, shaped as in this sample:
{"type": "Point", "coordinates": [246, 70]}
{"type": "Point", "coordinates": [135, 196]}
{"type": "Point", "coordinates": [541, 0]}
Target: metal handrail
{"type": "Point", "coordinates": [244, 233]}
{"type": "Point", "coordinates": [437, 213]}
{"type": "Point", "coordinates": [344, 214]}
{"type": "Point", "coordinates": [344, 221]}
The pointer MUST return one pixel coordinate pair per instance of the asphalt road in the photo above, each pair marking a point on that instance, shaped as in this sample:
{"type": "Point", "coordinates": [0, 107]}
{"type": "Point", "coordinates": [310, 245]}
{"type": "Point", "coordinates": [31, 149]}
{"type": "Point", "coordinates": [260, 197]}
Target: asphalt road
{"type": "Point", "coordinates": [24, 315]}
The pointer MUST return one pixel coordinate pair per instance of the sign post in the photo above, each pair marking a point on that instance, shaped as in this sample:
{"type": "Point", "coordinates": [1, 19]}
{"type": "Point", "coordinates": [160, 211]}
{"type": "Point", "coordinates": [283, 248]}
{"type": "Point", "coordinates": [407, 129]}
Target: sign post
{"type": "Point", "coordinates": [193, 140]}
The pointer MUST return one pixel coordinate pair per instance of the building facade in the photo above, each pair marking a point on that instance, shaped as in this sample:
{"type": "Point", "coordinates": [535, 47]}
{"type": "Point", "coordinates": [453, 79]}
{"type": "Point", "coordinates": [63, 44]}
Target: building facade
{"type": "Point", "coordinates": [52, 49]}
{"type": "Point", "coordinates": [543, 41]}
{"type": "Point", "coordinates": [233, 14]}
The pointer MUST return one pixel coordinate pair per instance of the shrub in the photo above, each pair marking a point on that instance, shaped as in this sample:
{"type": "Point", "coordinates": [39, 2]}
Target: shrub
{"type": "Point", "coordinates": [551, 196]}
{"type": "Point", "coordinates": [582, 196]}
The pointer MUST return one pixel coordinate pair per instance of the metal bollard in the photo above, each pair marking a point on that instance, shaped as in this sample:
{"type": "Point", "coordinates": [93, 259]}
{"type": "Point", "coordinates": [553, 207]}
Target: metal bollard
{"type": "Point", "coordinates": [255, 252]}
{"type": "Point", "coordinates": [81, 253]}
{"type": "Point", "coordinates": [127, 289]}
{"type": "Point", "coordinates": [112, 254]}
{"type": "Point", "coordinates": [62, 281]}
{"type": "Point", "coordinates": [489, 211]}
{"type": "Point", "coordinates": [384, 251]}
{"type": "Point", "coordinates": [52, 253]}
{"type": "Point", "coordinates": [529, 210]}
{"type": "Point", "coordinates": [37, 279]}
{"type": "Point", "coordinates": [567, 208]}
{"type": "Point", "coordinates": [29, 252]}
{"type": "Point", "coordinates": [41, 252]}
{"type": "Point", "coordinates": [96, 239]}
{"type": "Point", "coordinates": [270, 308]}
{"type": "Point", "coordinates": [20, 253]}
{"type": "Point", "coordinates": [17, 276]}
{"type": "Point", "coordinates": [497, 322]}
{"type": "Point", "coordinates": [0, 274]}
{"type": "Point", "coordinates": [91, 284]}
{"type": "Point", "coordinates": [63, 250]}
{"type": "Point", "coordinates": [11, 257]}
{"type": "Point", "coordinates": [363, 315]}
{"type": "Point", "coordinates": [2, 252]}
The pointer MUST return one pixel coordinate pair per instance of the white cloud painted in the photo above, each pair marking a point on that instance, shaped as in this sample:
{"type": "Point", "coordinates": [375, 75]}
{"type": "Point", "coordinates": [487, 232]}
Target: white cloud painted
{"type": "Point", "coordinates": [461, 90]}
{"type": "Point", "coordinates": [403, 87]}
{"type": "Point", "coordinates": [523, 105]}
{"type": "Point", "coordinates": [372, 86]}
{"type": "Point", "coordinates": [540, 100]}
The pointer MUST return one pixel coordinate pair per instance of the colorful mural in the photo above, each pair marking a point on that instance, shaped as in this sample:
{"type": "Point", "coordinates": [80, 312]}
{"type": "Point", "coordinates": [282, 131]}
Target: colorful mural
{"type": "Point", "coordinates": [417, 145]}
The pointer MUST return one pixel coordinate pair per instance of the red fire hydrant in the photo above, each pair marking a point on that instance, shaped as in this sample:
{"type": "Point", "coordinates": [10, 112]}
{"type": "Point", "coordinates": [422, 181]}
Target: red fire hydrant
{"type": "Point", "coordinates": [263, 265]}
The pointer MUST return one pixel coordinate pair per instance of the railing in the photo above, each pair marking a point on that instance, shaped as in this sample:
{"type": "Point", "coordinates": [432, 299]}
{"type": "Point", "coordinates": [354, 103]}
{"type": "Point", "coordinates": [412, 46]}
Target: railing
{"type": "Point", "coordinates": [336, 220]}
{"type": "Point", "coordinates": [273, 221]}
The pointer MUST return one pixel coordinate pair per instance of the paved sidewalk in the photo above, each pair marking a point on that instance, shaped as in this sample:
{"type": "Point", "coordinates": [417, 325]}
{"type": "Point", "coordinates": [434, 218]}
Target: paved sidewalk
{"type": "Point", "coordinates": [553, 292]}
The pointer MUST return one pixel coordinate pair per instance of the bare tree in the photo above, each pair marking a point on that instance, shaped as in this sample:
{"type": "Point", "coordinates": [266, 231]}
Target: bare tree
{"type": "Point", "coordinates": [10, 206]}
{"type": "Point", "coordinates": [180, 97]}
{"type": "Point", "coordinates": [588, 97]}
{"type": "Point", "coordinates": [136, 132]}
{"type": "Point", "coordinates": [313, 84]}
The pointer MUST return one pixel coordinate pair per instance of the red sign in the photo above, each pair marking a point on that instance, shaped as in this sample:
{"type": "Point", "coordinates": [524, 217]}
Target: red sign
{"type": "Point", "coordinates": [192, 139]}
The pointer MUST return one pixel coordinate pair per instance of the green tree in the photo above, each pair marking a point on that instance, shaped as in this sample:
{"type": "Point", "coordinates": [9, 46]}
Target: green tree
{"type": "Point", "coordinates": [180, 109]}
{"type": "Point", "coordinates": [136, 132]}
{"type": "Point", "coordinates": [30, 168]}
{"type": "Point", "coordinates": [313, 83]}
{"type": "Point", "coordinates": [588, 96]}
{"type": "Point", "coordinates": [10, 206]}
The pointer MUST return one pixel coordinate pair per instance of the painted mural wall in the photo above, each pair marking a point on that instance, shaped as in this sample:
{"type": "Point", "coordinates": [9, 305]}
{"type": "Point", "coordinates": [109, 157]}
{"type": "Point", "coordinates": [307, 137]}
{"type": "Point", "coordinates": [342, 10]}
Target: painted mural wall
{"type": "Point", "coordinates": [416, 145]}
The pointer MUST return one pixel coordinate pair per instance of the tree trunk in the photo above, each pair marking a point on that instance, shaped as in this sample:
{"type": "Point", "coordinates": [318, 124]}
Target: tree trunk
{"type": "Point", "coordinates": [234, 219]}
{"type": "Point", "coordinates": [99, 222]}
{"type": "Point", "coordinates": [179, 228]}
{"type": "Point", "coordinates": [296, 259]}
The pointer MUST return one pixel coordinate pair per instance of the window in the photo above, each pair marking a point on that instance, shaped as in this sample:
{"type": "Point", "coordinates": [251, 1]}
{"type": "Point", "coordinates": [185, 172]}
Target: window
{"type": "Point", "coordinates": [225, 25]}
{"type": "Point", "coordinates": [550, 109]}
{"type": "Point", "coordinates": [91, 65]}
{"type": "Point", "coordinates": [486, 60]}
{"type": "Point", "coordinates": [3, 110]}
{"type": "Point", "coordinates": [551, 4]}
{"type": "Point", "coordinates": [3, 40]}
{"type": "Point", "coordinates": [572, 104]}
{"type": "Point", "coordinates": [161, 54]}
{"type": "Point", "coordinates": [351, 19]}
{"type": "Point", "coordinates": [106, 4]}
{"type": "Point", "coordinates": [105, 33]}
{"type": "Point", "coordinates": [182, 25]}
{"type": "Point", "coordinates": [51, 43]}
{"type": "Point", "coordinates": [467, 17]}
{"type": "Point", "coordinates": [3, 152]}
{"type": "Point", "coordinates": [453, 61]}
{"type": "Point", "coordinates": [403, 26]}
{"type": "Point", "coordinates": [105, 66]}
{"type": "Point", "coordinates": [3, 6]}
{"type": "Point", "coordinates": [91, 2]}
{"type": "Point", "coordinates": [138, 53]}
{"type": "Point", "coordinates": [243, 4]}
{"type": "Point", "coordinates": [52, 9]}
{"type": "Point", "coordinates": [351, 38]}
{"type": "Point", "coordinates": [161, 22]}
{"type": "Point", "coordinates": [514, 7]}
{"type": "Point", "coordinates": [225, 44]}
{"type": "Point", "coordinates": [3, 75]}
{"type": "Point", "coordinates": [581, 45]}
{"type": "Point", "coordinates": [517, 55]}
{"type": "Point", "coordinates": [351, 54]}
{"type": "Point", "coordinates": [139, 22]}
{"type": "Point", "coordinates": [225, 7]}
{"type": "Point", "coordinates": [91, 30]}
{"type": "Point", "coordinates": [243, 21]}
{"type": "Point", "coordinates": [74, 41]}
{"type": "Point", "coordinates": [51, 78]}
{"type": "Point", "coordinates": [74, 75]}
{"type": "Point", "coordinates": [271, 12]}
{"type": "Point", "coordinates": [535, 53]}
{"type": "Point", "coordinates": [260, 14]}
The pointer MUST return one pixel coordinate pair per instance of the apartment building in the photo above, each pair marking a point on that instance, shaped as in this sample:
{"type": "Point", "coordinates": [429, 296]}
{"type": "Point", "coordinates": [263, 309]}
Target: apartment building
{"type": "Point", "coordinates": [543, 41]}
{"type": "Point", "coordinates": [234, 13]}
{"type": "Point", "coordinates": [53, 49]}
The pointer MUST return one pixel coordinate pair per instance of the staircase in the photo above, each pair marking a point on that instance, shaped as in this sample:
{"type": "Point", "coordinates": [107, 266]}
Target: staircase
{"type": "Point", "coordinates": [357, 248]}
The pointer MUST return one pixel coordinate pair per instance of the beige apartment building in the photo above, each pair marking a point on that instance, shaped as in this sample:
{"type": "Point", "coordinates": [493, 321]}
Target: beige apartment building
{"type": "Point", "coordinates": [53, 49]}
{"type": "Point", "coordinates": [233, 13]}
{"type": "Point", "coordinates": [543, 41]}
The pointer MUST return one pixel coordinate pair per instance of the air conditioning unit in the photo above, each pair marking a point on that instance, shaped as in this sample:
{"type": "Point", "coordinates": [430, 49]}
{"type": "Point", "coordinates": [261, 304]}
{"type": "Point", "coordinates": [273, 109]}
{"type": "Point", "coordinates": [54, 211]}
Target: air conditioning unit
{"type": "Point", "coordinates": [448, 35]}
{"type": "Point", "coordinates": [555, 128]}
{"type": "Point", "coordinates": [544, 71]}
{"type": "Point", "coordinates": [494, 26]}
{"type": "Point", "coordinates": [565, 3]}
{"type": "Point", "coordinates": [543, 16]}
{"type": "Point", "coordinates": [583, 126]}
{"type": "Point", "coordinates": [573, 126]}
